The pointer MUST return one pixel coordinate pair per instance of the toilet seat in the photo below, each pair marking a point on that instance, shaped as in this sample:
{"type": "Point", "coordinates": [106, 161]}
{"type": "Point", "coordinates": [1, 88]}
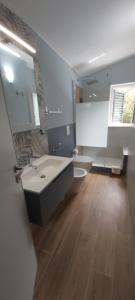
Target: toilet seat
{"type": "Point", "coordinates": [80, 173]}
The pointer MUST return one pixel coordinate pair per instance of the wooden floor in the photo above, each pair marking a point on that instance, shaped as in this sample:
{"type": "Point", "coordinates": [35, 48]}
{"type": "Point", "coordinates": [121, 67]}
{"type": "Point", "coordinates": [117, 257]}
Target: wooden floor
{"type": "Point", "coordinates": [87, 252]}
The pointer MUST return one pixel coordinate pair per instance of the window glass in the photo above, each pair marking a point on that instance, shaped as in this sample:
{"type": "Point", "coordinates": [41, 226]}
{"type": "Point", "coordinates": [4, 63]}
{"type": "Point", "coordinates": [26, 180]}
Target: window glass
{"type": "Point", "coordinates": [122, 104]}
{"type": "Point", "coordinates": [36, 109]}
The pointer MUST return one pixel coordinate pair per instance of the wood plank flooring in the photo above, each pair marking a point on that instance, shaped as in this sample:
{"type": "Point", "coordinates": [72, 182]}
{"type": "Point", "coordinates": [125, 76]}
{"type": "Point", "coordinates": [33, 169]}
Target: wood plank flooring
{"type": "Point", "coordinates": [87, 251]}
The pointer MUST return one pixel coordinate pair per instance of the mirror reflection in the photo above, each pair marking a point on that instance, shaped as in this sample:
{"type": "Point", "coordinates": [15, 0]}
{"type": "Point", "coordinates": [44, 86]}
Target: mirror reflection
{"type": "Point", "coordinates": [18, 78]}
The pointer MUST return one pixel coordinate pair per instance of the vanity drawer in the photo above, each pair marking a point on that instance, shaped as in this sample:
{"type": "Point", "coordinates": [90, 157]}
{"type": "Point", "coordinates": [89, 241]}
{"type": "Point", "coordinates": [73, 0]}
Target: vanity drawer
{"type": "Point", "coordinates": [42, 206]}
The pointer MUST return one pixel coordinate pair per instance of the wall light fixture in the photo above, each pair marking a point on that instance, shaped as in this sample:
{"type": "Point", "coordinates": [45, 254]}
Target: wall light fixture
{"type": "Point", "coordinates": [9, 73]}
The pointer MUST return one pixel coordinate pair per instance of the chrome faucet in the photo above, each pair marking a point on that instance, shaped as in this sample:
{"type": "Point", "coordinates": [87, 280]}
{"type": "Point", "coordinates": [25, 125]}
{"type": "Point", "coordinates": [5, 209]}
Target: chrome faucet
{"type": "Point", "coordinates": [32, 165]}
{"type": "Point", "coordinates": [26, 158]}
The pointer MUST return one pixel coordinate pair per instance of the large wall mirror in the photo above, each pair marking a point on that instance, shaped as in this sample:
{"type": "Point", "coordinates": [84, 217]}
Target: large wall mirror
{"type": "Point", "coordinates": [18, 79]}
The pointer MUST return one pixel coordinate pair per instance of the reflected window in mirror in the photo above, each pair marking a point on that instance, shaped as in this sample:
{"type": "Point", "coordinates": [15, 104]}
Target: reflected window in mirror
{"type": "Point", "coordinates": [36, 109]}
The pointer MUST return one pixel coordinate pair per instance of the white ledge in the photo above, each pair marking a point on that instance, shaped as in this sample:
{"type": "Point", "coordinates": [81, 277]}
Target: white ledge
{"type": "Point", "coordinates": [121, 125]}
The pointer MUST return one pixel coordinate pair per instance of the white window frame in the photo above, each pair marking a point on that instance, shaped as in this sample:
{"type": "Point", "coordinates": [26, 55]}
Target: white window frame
{"type": "Point", "coordinates": [110, 122]}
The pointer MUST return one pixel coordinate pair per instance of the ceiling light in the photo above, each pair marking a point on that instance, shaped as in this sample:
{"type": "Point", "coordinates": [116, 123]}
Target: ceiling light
{"type": "Point", "coordinates": [9, 50]}
{"type": "Point", "coordinates": [17, 39]}
{"type": "Point", "coordinates": [9, 73]}
{"type": "Point", "coordinates": [94, 95]}
{"type": "Point", "coordinates": [96, 58]}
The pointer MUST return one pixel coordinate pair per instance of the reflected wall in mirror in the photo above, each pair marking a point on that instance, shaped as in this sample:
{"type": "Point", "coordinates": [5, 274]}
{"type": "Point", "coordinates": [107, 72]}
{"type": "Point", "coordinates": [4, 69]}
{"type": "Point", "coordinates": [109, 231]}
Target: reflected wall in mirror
{"type": "Point", "coordinates": [18, 78]}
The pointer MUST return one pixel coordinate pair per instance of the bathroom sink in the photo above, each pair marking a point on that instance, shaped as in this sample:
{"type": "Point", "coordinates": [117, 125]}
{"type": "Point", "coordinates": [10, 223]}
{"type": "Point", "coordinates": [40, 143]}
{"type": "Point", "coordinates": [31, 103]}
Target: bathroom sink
{"type": "Point", "coordinates": [49, 165]}
{"type": "Point", "coordinates": [43, 171]}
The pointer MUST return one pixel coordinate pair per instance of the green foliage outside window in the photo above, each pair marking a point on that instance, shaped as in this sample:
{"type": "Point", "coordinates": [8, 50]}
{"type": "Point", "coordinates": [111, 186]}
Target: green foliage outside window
{"type": "Point", "coordinates": [129, 104]}
{"type": "Point", "coordinates": [128, 110]}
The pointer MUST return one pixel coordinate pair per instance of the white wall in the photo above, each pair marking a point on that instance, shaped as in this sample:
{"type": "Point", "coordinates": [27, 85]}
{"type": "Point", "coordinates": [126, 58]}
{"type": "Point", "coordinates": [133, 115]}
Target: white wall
{"type": "Point", "coordinates": [122, 72]}
{"type": "Point", "coordinates": [117, 138]}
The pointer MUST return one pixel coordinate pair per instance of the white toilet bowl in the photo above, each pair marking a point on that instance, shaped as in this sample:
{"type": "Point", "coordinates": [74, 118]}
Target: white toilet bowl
{"type": "Point", "coordinates": [79, 173]}
{"type": "Point", "coordinates": [83, 162]}
{"type": "Point", "coordinates": [79, 176]}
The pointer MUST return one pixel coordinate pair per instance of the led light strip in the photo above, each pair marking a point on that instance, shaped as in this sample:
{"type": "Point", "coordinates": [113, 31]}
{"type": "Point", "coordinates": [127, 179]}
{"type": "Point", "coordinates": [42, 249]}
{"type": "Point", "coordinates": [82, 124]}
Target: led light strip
{"type": "Point", "coordinates": [17, 39]}
{"type": "Point", "coordinates": [96, 58]}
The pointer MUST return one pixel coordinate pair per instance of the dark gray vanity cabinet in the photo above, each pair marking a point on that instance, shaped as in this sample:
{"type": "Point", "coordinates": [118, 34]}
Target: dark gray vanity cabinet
{"type": "Point", "coordinates": [42, 206]}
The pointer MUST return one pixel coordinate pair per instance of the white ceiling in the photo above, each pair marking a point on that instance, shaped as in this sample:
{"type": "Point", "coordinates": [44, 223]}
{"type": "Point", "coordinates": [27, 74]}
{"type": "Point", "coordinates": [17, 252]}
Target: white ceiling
{"type": "Point", "coordinates": [79, 30]}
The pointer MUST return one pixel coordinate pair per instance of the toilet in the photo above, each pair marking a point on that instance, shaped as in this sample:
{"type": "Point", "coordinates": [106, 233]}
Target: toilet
{"type": "Point", "coordinates": [83, 162]}
{"type": "Point", "coordinates": [79, 173]}
{"type": "Point", "coordinates": [79, 176]}
{"type": "Point", "coordinates": [82, 165]}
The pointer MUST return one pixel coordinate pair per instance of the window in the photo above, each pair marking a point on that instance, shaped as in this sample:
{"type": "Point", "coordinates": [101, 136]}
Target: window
{"type": "Point", "coordinates": [122, 104]}
{"type": "Point", "coordinates": [36, 109]}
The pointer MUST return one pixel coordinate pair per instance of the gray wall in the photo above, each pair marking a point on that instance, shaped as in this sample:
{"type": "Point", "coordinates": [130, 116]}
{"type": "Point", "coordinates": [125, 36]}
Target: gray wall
{"type": "Point", "coordinates": [122, 72]}
{"type": "Point", "coordinates": [57, 79]}
{"type": "Point", "coordinates": [59, 135]}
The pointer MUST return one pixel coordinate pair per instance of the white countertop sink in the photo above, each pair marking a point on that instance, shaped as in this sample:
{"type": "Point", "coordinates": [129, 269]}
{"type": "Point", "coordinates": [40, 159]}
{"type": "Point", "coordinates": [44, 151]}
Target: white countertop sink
{"type": "Point", "coordinates": [43, 171]}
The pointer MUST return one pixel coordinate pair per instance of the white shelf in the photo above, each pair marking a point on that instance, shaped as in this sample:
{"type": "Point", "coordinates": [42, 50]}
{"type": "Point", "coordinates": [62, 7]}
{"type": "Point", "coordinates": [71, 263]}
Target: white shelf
{"type": "Point", "coordinates": [107, 162]}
